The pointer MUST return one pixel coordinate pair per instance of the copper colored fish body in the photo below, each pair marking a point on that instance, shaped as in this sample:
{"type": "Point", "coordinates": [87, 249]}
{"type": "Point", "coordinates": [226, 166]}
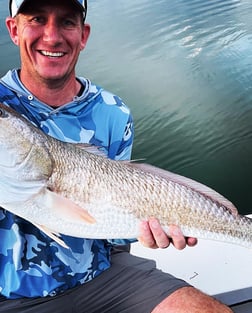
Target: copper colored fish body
{"type": "Point", "coordinates": [64, 188]}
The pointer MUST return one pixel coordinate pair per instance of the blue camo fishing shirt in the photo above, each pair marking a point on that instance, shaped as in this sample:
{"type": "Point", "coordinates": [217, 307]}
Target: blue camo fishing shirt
{"type": "Point", "coordinates": [31, 263]}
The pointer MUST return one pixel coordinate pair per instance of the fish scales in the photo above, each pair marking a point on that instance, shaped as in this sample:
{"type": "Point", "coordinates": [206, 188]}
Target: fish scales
{"type": "Point", "coordinates": [149, 196]}
{"type": "Point", "coordinates": [64, 189]}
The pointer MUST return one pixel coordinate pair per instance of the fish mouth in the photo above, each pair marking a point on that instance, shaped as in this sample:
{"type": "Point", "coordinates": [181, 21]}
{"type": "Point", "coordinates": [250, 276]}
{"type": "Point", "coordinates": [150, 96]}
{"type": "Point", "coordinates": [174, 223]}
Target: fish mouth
{"type": "Point", "coordinates": [51, 54]}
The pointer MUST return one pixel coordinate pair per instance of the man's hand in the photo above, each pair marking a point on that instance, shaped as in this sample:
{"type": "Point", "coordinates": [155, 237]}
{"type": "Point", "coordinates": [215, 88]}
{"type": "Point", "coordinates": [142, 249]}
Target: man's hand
{"type": "Point", "coordinates": [153, 236]}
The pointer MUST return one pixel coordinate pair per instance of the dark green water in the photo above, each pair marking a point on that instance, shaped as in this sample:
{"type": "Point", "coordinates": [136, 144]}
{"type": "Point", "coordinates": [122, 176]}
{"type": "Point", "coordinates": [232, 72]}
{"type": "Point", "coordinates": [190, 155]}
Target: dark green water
{"type": "Point", "coordinates": [185, 69]}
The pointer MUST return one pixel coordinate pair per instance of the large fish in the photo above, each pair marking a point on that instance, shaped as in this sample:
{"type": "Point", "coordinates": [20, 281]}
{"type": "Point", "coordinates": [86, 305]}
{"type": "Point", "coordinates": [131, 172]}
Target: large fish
{"type": "Point", "coordinates": [64, 189]}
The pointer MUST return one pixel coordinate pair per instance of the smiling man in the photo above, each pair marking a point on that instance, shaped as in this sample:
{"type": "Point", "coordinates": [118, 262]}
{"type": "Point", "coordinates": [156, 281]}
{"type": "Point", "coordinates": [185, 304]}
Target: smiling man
{"type": "Point", "coordinates": [50, 44]}
{"type": "Point", "coordinates": [36, 273]}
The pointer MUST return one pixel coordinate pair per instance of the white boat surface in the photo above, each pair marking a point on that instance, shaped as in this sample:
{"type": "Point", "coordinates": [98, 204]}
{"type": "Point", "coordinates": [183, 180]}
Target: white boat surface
{"type": "Point", "coordinates": [221, 270]}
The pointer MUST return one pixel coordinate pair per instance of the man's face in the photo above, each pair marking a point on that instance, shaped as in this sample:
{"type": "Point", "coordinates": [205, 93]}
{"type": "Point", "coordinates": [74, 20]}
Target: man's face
{"type": "Point", "coordinates": [50, 36]}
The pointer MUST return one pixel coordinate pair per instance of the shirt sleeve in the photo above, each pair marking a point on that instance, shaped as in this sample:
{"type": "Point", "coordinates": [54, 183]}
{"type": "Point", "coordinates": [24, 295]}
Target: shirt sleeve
{"type": "Point", "coordinates": [125, 149]}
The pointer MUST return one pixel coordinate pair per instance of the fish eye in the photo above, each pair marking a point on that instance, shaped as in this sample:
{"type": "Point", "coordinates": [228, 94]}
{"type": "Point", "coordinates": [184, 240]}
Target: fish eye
{"type": "Point", "coordinates": [3, 113]}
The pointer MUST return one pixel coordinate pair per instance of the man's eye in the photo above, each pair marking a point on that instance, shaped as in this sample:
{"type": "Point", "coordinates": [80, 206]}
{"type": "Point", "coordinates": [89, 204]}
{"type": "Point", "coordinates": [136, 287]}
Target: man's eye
{"type": "Point", "coordinates": [38, 19]}
{"type": "Point", "coordinates": [69, 23]}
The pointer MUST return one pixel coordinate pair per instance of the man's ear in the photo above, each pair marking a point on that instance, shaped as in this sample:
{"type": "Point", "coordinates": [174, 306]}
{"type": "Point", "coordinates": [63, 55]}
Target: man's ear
{"type": "Point", "coordinates": [85, 35]}
{"type": "Point", "coordinates": [11, 24]}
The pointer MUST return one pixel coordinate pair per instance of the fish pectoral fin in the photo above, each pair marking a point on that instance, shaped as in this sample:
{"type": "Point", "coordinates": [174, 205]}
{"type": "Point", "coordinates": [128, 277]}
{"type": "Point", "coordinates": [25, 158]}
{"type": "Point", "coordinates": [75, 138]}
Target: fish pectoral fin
{"type": "Point", "coordinates": [66, 208]}
{"type": "Point", "coordinates": [52, 235]}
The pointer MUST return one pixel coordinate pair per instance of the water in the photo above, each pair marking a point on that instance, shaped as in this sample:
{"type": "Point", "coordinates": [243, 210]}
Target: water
{"type": "Point", "coordinates": [185, 69]}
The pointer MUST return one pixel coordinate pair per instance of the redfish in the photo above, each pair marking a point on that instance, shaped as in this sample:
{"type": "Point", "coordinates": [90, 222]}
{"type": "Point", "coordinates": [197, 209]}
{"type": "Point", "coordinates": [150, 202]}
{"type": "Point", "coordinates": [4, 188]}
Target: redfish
{"type": "Point", "coordinates": [63, 188]}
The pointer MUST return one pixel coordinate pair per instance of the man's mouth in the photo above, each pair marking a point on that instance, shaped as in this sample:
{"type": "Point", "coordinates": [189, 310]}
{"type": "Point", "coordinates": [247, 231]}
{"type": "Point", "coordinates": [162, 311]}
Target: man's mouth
{"type": "Point", "coordinates": [52, 54]}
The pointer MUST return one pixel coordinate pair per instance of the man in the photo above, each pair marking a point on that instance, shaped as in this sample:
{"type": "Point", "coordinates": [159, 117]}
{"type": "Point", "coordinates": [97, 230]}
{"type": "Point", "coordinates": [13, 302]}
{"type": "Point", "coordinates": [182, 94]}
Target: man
{"type": "Point", "coordinates": [37, 274]}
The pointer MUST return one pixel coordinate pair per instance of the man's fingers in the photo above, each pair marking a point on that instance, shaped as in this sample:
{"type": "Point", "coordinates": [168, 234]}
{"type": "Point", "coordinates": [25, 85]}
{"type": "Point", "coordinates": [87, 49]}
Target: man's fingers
{"type": "Point", "coordinates": [191, 242]}
{"type": "Point", "coordinates": [161, 238]}
{"type": "Point", "coordinates": [153, 236]}
{"type": "Point", "coordinates": [178, 239]}
{"type": "Point", "coordinates": [146, 238]}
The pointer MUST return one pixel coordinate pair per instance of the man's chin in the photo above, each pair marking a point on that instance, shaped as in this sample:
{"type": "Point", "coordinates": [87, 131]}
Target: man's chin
{"type": "Point", "coordinates": [52, 76]}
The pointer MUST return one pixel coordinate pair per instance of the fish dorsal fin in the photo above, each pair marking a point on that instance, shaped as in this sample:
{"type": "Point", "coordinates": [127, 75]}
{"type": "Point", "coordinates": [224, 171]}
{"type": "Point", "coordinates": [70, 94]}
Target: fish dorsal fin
{"type": "Point", "coordinates": [187, 182]}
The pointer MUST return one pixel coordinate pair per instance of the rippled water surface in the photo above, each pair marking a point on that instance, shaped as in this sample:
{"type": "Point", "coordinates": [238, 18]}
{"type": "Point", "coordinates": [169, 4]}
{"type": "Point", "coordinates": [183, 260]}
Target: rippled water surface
{"type": "Point", "coordinates": [185, 69]}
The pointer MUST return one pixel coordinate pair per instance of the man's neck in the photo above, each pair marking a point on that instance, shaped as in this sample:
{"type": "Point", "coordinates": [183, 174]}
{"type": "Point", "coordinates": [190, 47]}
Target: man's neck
{"type": "Point", "coordinates": [54, 93]}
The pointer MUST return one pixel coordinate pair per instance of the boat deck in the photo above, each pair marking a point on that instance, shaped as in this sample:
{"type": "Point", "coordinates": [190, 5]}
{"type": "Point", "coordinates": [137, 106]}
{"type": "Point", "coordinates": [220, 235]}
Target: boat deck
{"type": "Point", "coordinates": [221, 270]}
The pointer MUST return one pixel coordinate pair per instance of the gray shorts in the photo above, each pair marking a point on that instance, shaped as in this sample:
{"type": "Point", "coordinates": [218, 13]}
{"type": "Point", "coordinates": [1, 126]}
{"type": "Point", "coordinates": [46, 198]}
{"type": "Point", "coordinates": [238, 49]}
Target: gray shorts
{"type": "Point", "coordinates": [131, 285]}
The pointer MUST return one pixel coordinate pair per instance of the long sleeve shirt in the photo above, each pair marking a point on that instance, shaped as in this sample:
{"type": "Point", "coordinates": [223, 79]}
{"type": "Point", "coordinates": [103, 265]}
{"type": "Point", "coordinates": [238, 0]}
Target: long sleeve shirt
{"type": "Point", "coordinates": [31, 263]}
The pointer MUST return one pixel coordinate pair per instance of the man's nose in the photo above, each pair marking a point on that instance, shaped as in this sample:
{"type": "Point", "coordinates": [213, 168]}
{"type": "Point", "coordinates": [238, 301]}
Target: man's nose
{"type": "Point", "coordinates": [52, 32]}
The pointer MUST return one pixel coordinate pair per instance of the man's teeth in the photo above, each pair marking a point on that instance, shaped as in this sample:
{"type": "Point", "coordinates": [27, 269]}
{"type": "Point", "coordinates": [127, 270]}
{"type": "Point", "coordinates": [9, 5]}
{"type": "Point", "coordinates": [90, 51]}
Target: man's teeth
{"type": "Point", "coordinates": [52, 54]}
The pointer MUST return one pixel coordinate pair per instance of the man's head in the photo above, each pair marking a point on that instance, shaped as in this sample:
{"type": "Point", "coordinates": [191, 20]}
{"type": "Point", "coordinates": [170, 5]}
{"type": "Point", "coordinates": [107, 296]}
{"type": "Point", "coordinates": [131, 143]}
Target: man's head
{"type": "Point", "coordinates": [15, 6]}
{"type": "Point", "coordinates": [50, 35]}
